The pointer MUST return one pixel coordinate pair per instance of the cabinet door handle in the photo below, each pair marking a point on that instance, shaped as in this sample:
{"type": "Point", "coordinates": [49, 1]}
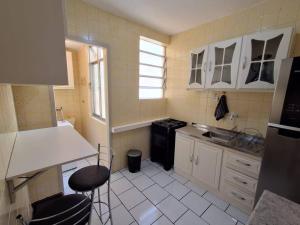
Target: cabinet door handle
{"type": "Point", "coordinates": [245, 62]}
{"type": "Point", "coordinates": [238, 196]}
{"type": "Point", "coordinates": [191, 158]}
{"type": "Point", "coordinates": [197, 161]}
{"type": "Point", "coordinates": [243, 163]}
{"type": "Point", "coordinates": [239, 180]}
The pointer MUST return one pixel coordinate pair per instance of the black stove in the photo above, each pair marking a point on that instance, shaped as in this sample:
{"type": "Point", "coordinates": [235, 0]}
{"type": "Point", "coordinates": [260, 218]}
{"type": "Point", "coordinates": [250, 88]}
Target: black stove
{"type": "Point", "coordinates": [163, 141]}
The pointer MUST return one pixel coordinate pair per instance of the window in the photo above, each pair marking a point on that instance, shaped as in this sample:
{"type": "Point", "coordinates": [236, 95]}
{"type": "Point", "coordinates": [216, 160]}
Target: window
{"type": "Point", "coordinates": [152, 69]}
{"type": "Point", "coordinates": [96, 65]}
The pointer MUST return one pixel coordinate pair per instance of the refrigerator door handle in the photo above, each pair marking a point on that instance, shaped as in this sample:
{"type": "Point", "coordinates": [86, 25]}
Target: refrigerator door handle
{"type": "Point", "coordinates": [297, 129]}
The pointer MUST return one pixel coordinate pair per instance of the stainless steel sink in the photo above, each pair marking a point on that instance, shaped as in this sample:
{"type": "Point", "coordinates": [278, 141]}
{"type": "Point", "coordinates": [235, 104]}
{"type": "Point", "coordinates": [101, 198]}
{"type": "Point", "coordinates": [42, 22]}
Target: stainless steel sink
{"type": "Point", "coordinates": [225, 137]}
{"type": "Point", "coordinates": [237, 140]}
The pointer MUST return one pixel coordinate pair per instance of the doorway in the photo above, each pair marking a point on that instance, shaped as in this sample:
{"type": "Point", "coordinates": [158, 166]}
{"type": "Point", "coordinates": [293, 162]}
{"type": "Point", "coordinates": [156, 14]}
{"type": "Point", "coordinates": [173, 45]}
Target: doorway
{"type": "Point", "coordinates": [83, 103]}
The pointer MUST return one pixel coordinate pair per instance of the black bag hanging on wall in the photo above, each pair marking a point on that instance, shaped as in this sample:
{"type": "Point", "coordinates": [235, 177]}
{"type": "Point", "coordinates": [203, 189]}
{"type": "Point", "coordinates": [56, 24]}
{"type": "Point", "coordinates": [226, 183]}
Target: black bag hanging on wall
{"type": "Point", "coordinates": [221, 108]}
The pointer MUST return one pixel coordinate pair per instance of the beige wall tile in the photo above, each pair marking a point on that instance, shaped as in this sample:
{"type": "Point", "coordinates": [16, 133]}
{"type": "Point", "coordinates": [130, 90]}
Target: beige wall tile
{"type": "Point", "coordinates": [33, 106]}
{"type": "Point", "coordinates": [253, 108]}
{"type": "Point", "coordinates": [8, 129]}
{"type": "Point", "coordinates": [122, 38]}
{"type": "Point", "coordinates": [69, 99]}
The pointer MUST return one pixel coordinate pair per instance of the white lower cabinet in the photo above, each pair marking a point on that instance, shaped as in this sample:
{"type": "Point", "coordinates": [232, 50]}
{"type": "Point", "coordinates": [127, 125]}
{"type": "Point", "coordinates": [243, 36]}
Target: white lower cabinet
{"type": "Point", "coordinates": [207, 164]}
{"type": "Point", "coordinates": [229, 174]}
{"type": "Point", "coordinates": [239, 179]}
{"type": "Point", "coordinates": [184, 151]}
{"type": "Point", "coordinates": [199, 160]}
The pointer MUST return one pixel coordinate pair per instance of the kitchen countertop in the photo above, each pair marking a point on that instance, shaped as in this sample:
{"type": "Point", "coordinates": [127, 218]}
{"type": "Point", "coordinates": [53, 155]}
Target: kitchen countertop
{"type": "Point", "coordinates": [273, 209]}
{"type": "Point", "coordinates": [199, 131]}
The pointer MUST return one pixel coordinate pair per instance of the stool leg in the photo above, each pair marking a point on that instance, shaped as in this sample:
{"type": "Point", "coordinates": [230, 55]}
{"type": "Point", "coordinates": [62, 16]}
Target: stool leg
{"type": "Point", "coordinates": [108, 202]}
{"type": "Point", "coordinates": [92, 206]}
{"type": "Point", "coordinates": [99, 203]}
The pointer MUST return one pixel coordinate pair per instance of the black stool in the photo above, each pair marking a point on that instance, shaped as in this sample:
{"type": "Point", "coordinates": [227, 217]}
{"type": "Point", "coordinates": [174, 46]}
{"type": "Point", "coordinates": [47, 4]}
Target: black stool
{"type": "Point", "coordinates": [90, 178]}
{"type": "Point", "coordinates": [60, 209]}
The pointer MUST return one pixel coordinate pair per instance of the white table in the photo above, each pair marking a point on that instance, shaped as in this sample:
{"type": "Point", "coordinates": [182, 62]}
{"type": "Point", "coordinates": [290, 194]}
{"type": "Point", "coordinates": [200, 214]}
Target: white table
{"type": "Point", "coordinates": [37, 150]}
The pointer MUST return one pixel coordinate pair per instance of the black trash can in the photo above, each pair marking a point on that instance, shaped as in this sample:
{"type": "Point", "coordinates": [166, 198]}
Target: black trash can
{"type": "Point", "coordinates": [134, 157]}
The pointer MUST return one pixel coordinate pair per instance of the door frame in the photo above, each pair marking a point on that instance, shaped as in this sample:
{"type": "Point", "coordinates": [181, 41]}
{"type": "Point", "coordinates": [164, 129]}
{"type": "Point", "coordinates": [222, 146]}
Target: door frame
{"type": "Point", "coordinates": [107, 82]}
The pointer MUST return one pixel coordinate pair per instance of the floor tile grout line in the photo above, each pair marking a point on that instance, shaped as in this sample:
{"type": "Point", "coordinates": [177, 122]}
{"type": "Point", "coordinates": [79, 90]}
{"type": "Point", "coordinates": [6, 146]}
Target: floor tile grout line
{"type": "Point", "coordinates": [157, 203]}
{"type": "Point", "coordinates": [193, 210]}
{"type": "Point", "coordinates": [184, 195]}
{"type": "Point", "coordinates": [143, 201]}
{"type": "Point", "coordinates": [169, 194]}
{"type": "Point", "coordinates": [187, 209]}
{"type": "Point", "coordinates": [227, 207]}
{"type": "Point", "coordinates": [205, 210]}
{"type": "Point", "coordinates": [136, 204]}
{"type": "Point", "coordinates": [118, 178]}
{"type": "Point", "coordinates": [231, 215]}
{"type": "Point", "coordinates": [203, 214]}
{"type": "Point", "coordinates": [158, 183]}
{"type": "Point", "coordinates": [126, 209]}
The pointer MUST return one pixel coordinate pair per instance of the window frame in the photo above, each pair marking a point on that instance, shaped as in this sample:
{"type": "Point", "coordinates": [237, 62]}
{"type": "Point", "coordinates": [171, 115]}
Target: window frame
{"type": "Point", "coordinates": [98, 61]}
{"type": "Point", "coordinates": [163, 67]}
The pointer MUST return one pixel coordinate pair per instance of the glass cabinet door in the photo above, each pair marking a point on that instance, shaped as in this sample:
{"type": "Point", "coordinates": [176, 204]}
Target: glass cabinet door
{"type": "Point", "coordinates": [197, 71]}
{"type": "Point", "coordinates": [261, 58]}
{"type": "Point", "coordinates": [193, 69]}
{"type": "Point", "coordinates": [263, 55]}
{"type": "Point", "coordinates": [223, 63]}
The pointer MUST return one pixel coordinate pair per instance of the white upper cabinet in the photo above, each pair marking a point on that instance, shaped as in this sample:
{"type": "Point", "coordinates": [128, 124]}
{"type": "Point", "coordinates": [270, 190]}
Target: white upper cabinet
{"type": "Point", "coordinates": [261, 58]}
{"type": "Point", "coordinates": [223, 64]}
{"type": "Point", "coordinates": [32, 42]}
{"type": "Point", "coordinates": [198, 62]}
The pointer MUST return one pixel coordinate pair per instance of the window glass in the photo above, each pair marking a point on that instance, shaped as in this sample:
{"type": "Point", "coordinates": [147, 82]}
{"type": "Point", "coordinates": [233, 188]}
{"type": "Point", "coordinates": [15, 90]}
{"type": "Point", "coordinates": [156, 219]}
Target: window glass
{"type": "Point", "coordinates": [193, 76]}
{"type": "Point", "coordinates": [152, 69]}
{"type": "Point", "coordinates": [151, 59]}
{"type": "Point", "coordinates": [194, 60]}
{"type": "Point", "coordinates": [217, 75]}
{"type": "Point", "coordinates": [150, 82]}
{"type": "Point", "coordinates": [219, 55]}
{"type": "Point", "coordinates": [97, 87]}
{"type": "Point", "coordinates": [200, 59]}
{"type": "Point", "coordinates": [253, 74]}
{"type": "Point", "coordinates": [267, 73]}
{"type": "Point", "coordinates": [257, 49]}
{"type": "Point", "coordinates": [229, 51]}
{"type": "Point", "coordinates": [152, 47]}
{"type": "Point", "coordinates": [272, 47]}
{"type": "Point", "coordinates": [198, 76]}
{"type": "Point", "coordinates": [226, 76]}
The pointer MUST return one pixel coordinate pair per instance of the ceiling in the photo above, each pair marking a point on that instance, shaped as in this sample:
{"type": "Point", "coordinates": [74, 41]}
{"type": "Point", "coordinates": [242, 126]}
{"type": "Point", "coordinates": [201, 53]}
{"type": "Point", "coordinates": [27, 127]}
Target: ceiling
{"type": "Point", "coordinates": [172, 16]}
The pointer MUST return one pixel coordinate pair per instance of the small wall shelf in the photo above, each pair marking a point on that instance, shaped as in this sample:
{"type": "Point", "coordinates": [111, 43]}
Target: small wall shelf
{"type": "Point", "coordinates": [132, 126]}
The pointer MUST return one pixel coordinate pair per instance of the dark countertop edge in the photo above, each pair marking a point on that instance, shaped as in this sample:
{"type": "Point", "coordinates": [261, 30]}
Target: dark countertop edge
{"type": "Point", "coordinates": [197, 133]}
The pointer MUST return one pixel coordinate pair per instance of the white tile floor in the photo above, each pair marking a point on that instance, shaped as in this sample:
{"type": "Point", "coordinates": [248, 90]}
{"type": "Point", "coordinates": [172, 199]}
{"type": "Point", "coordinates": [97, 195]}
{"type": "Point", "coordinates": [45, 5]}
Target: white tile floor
{"type": "Point", "coordinates": [158, 197]}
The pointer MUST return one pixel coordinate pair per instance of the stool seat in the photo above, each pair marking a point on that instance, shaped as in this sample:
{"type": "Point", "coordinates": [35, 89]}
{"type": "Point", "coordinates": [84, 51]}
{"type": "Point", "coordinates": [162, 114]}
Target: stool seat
{"type": "Point", "coordinates": [89, 178]}
{"type": "Point", "coordinates": [74, 206]}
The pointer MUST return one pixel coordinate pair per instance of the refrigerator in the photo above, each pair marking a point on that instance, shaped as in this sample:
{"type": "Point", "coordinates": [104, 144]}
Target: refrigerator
{"type": "Point", "coordinates": [280, 169]}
